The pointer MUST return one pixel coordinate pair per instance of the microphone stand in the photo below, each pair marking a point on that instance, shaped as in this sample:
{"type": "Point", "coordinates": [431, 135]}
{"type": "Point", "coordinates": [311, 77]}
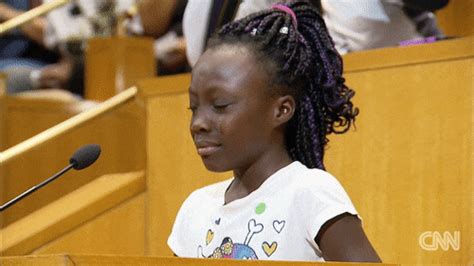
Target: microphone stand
{"type": "Point", "coordinates": [34, 188]}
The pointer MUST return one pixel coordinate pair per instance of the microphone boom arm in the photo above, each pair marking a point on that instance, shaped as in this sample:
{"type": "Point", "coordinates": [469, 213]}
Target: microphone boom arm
{"type": "Point", "coordinates": [34, 188]}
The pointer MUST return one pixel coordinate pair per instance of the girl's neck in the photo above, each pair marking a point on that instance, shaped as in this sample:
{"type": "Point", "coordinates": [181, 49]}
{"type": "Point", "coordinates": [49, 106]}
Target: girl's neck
{"type": "Point", "coordinates": [252, 177]}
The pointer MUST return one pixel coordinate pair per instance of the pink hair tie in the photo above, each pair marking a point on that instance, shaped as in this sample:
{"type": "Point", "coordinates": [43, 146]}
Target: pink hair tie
{"type": "Point", "coordinates": [287, 10]}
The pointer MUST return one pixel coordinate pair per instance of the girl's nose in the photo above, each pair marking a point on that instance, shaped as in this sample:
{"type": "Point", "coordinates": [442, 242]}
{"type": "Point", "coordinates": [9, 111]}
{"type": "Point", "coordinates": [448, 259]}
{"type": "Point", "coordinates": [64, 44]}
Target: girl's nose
{"type": "Point", "coordinates": [199, 123]}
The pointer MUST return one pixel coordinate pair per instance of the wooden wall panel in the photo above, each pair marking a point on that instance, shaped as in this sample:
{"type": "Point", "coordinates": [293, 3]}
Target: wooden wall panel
{"type": "Point", "coordinates": [408, 166]}
{"type": "Point", "coordinates": [114, 64]}
{"type": "Point", "coordinates": [72, 211]}
{"type": "Point", "coordinates": [120, 231]}
{"type": "Point", "coordinates": [457, 19]}
{"type": "Point", "coordinates": [3, 84]}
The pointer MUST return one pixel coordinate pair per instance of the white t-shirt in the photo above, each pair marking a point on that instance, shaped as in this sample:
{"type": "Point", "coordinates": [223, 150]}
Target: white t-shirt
{"type": "Point", "coordinates": [278, 221]}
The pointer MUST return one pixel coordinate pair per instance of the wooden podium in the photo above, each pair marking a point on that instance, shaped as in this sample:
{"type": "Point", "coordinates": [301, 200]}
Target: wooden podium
{"type": "Point", "coordinates": [66, 259]}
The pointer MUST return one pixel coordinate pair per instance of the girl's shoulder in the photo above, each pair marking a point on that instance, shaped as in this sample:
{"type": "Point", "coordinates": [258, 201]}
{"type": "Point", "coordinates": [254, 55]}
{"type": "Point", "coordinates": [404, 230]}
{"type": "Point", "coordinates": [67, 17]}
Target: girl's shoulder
{"type": "Point", "coordinates": [319, 191]}
{"type": "Point", "coordinates": [315, 185]}
{"type": "Point", "coordinates": [209, 193]}
{"type": "Point", "coordinates": [312, 178]}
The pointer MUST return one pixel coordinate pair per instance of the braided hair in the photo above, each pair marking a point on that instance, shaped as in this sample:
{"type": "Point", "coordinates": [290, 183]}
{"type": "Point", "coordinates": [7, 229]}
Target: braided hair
{"type": "Point", "coordinates": [300, 56]}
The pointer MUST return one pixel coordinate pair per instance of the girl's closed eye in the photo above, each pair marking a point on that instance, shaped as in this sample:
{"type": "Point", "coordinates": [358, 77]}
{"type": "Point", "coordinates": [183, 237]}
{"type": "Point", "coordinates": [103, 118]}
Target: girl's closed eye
{"type": "Point", "coordinates": [221, 106]}
{"type": "Point", "coordinates": [215, 106]}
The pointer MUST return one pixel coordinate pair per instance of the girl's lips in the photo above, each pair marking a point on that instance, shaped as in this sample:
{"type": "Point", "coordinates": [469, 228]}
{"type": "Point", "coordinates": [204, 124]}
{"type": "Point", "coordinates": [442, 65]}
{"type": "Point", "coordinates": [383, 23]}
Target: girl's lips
{"type": "Point", "coordinates": [207, 150]}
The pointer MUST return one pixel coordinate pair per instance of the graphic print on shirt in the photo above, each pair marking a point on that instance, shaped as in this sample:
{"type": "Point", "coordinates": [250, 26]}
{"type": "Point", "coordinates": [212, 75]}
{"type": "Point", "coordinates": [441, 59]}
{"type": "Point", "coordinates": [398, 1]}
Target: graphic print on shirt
{"type": "Point", "coordinates": [269, 249]}
{"type": "Point", "coordinates": [230, 250]}
{"type": "Point", "coordinates": [209, 236]}
{"type": "Point", "coordinates": [278, 225]}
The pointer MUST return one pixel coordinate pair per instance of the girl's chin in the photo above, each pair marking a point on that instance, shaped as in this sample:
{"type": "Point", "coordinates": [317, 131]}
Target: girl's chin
{"type": "Point", "coordinates": [214, 166]}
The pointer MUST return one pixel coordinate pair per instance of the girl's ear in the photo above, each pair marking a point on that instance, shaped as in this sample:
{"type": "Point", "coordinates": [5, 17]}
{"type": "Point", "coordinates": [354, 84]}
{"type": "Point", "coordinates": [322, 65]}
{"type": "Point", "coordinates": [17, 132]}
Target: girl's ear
{"type": "Point", "coordinates": [284, 109]}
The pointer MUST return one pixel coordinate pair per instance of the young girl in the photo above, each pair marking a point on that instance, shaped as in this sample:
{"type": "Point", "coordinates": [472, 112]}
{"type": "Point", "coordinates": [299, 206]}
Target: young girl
{"type": "Point", "coordinates": [264, 97]}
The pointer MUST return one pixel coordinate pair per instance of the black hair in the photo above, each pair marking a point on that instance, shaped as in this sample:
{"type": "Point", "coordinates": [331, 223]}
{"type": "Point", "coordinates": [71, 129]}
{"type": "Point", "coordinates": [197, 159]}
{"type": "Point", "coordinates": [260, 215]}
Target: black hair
{"type": "Point", "coordinates": [302, 59]}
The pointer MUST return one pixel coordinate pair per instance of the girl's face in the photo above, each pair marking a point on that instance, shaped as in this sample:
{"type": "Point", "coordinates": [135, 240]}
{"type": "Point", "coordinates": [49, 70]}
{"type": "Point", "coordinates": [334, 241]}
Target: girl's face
{"type": "Point", "coordinates": [231, 121]}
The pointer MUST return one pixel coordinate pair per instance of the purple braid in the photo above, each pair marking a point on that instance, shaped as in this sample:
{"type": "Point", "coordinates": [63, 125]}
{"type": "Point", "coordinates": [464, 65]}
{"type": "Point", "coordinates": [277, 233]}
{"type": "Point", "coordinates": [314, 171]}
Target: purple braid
{"type": "Point", "coordinates": [305, 64]}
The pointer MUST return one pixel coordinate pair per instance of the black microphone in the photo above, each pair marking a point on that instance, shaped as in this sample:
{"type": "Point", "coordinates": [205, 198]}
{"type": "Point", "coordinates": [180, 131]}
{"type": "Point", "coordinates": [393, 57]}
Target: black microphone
{"type": "Point", "coordinates": [85, 156]}
{"type": "Point", "coordinates": [82, 158]}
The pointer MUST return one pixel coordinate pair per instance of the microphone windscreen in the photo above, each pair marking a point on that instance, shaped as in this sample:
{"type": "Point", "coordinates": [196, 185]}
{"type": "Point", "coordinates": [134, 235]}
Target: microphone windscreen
{"type": "Point", "coordinates": [85, 156]}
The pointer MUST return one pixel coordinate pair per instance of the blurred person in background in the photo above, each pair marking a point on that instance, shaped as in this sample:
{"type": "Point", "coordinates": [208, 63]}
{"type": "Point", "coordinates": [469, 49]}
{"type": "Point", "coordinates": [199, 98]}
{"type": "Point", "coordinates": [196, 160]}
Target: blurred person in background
{"type": "Point", "coordinates": [60, 36]}
{"type": "Point", "coordinates": [368, 24]}
{"type": "Point", "coordinates": [354, 25]}
{"type": "Point", "coordinates": [162, 20]}
{"type": "Point", "coordinates": [66, 30]}
{"type": "Point", "coordinates": [23, 50]}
